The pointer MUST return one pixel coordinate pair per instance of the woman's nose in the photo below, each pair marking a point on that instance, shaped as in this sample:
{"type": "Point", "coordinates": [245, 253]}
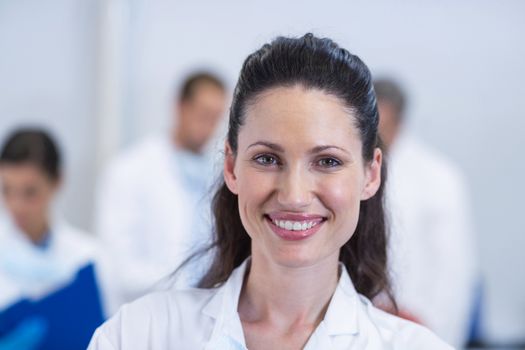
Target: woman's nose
{"type": "Point", "coordinates": [295, 188]}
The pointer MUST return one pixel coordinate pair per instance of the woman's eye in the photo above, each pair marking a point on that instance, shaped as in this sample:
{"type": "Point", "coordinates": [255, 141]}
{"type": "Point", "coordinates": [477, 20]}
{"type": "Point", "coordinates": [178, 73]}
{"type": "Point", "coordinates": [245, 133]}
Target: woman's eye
{"type": "Point", "coordinates": [266, 159]}
{"type": "Point", "coordinates": [328, 162]}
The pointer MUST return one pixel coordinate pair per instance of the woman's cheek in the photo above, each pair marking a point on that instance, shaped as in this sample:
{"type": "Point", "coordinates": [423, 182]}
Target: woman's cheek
{"type": "Point", "coordinates": [254, 191]}
{"type": "Point", "coordinates": [258, 183]}
{"type": "Point", "coordinates": [339, 193]}
{"type": "Point", "coordinates": [343, 201]}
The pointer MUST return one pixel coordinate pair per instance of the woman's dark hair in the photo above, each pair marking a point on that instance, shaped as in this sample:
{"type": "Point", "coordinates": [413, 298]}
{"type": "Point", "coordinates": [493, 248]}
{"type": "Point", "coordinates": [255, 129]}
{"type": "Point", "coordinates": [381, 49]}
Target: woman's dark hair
{"type": "Point", "coordinates": [312, 63]}
{"type": "Point", "coordinates": [33, 146]}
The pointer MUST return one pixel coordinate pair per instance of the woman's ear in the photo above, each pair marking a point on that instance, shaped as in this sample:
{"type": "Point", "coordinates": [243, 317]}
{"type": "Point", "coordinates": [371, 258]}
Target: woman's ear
{"type": "Point", "coordinates": [229, 168]}
{"type": "Point", "coordinates": [372, 175]}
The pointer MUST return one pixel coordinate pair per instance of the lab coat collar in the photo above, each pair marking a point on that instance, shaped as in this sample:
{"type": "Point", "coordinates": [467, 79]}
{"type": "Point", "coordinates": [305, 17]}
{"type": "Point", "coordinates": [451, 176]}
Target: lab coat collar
{"type": "Point", "coordinates": [341, 316]}
{"type": "Point", "coordinates": [11, 232]}
{"type": "Point", "coordinates": [227, 333]}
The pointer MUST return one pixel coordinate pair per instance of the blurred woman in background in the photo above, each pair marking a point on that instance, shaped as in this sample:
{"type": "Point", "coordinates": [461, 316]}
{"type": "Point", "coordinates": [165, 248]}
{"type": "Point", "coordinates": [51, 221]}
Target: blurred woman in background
{"type": "Point", "coordinates": [39, 253]}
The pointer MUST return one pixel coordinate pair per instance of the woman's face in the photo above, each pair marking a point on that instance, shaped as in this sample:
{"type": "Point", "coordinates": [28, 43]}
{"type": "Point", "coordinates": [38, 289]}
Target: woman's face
{"type": "Point", "coordinates": [299, 175]}
{"type": "Point", "coordinates": [27, 193]}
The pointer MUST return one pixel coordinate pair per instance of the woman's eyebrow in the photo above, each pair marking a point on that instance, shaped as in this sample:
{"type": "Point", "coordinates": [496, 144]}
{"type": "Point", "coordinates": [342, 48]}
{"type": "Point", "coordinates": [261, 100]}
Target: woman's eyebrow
{"type": "Point", "coordinates": [270, 145]}
{"type": "Point", "coordinates": [278, 148]}
{"type": "Point", "coordinates": [322, 148]}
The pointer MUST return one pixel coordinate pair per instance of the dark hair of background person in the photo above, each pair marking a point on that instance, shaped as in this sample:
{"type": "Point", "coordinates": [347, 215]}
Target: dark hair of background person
{"type": "Point", "coordinates": [313, 63]}
{"type": "Point", "coordinates": [32, 146]}
{"type": "Point", "coordinates": [390, 91]}
{"type": "Point", "coordinates": [193, 81]}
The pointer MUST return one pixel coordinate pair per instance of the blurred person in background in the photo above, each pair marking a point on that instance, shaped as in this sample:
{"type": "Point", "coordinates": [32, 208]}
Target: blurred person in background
{"type": "Point", "coordinates": [431, 245]}
{"type": "Point", "coordinates": [40, 253]}
{"type": "Point", "coordinates": [152, 205]}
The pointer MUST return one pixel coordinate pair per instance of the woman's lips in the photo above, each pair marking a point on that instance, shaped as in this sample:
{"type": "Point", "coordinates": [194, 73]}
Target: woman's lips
{"type": "Point", "coordinates": [294, 227]}
{"type": "Point", "coordinates": [295, 216]}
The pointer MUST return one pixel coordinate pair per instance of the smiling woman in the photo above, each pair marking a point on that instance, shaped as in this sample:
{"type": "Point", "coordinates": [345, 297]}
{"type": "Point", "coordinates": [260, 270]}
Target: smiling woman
{"type": "Point", "coordinates": [300, 236]}
{"type": "Point", "coordinates": [299, 162]}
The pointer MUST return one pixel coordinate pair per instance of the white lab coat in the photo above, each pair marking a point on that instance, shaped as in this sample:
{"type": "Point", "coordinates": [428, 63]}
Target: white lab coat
{"type": "Point", "coordinates": [432, 248]}
{"type": "Point", "coordinates": [145, 216]}
{"type": "Point", "coordinates": [208, 319]}
{"type": "Point", "coordinates": [28, 271]}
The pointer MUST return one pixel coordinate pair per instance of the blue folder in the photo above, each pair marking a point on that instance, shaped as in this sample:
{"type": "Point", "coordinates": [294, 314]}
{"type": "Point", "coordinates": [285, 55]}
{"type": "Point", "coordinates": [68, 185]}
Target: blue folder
{"type": "Point", "coordinates": [68, 316]}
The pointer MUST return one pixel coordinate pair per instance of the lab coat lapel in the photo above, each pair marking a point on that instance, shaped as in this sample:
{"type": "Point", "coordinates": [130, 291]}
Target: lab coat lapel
{"type": "Point", "coordinates": [227, 332]}
{"type": "Point", "coordinates": [341, 319]}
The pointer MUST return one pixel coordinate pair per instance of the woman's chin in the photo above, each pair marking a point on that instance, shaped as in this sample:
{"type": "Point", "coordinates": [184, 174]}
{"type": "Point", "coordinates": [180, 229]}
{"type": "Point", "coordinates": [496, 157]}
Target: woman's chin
{"type": "Point", "coordinates": [295, 259]}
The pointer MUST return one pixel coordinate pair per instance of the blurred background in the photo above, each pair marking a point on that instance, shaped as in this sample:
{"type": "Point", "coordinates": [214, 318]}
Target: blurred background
{"type": "Point", "coordinates": [101, 75]}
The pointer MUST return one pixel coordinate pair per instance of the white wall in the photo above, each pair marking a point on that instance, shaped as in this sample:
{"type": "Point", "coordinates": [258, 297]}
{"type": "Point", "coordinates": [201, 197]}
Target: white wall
{"type": "Point", "coordinates": [461, 61]}
{"type": "Point", "coordinates": [47, 66]}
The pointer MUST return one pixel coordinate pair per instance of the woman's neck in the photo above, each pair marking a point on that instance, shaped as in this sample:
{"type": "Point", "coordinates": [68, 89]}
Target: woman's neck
{"type": "Point", "coordinates": [287, 296]}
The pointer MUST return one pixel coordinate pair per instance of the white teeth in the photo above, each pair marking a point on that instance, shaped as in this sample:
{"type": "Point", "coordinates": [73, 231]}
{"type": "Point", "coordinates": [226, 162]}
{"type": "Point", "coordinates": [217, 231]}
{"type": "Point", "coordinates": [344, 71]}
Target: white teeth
{"type": "Point", "coordinates": [294, 225]}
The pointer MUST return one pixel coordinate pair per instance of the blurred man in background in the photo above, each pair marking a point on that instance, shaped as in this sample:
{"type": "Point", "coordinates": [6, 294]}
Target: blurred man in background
{"type": "Point", "coordinates": [432, 248]}
{"type": "Point", "coordinates": [152, 206]}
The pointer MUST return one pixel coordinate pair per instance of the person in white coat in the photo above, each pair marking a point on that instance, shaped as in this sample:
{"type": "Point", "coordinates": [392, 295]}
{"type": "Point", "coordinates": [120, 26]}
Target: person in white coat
{"type": "Point", "coordinates": [39, 253]}
{"type": "Point", "coordinates": [152, 203]}
{"type": "Point", "coordinates": [432, 245]}
{"type": "Point", "coordinates": [300, 240]}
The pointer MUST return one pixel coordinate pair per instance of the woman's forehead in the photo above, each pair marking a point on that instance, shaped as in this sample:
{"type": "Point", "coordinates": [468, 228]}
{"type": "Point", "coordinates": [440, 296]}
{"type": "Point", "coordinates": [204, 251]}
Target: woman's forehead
{"type": "Point", "coordinates": [21, 172]}
{"type": "Point", "coordinates": [301, 115]}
